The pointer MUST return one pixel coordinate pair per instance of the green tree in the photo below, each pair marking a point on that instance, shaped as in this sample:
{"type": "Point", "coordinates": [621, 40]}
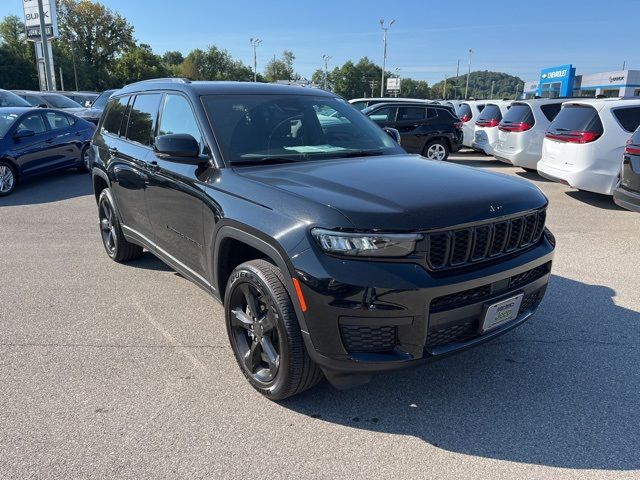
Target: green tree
{"type": "Point", "coordinates": [97, 35]}
{"type": "Point", "coordinates": [17, 56]}
{"type": "Point", "coordinates": [280, 68]}
{"type": "Point", "coordinates": [139, 63]}
{"type": "Point", "coordinates": [172, 58]}
{"type": "Point", "coordinates": [214, 64]}
{"type": "Point", "coordinates": [504, 85]}
{"type": "Point", "coordinates": [411, 88]}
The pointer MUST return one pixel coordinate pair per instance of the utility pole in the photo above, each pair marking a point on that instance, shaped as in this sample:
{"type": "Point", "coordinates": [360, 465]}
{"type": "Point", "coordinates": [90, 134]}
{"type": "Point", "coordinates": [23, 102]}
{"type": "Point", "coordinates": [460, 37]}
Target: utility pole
{"type": "Point", "coordinates": [384, 54]}
{"type": "Point", "coordinates": [254, 43]}
{"type": "Point", "coordinates": [326, 59]}
{"type": "Point", "coordinates": [75, 70]}
{"type": "Point", "coordinates": [444, 89]}
{"type": "Point", "coordinates": [398, 90]}
{"type": "Point", "coordinates": [45, 47]}
{"type": "Point", "coordinates": [624, 64]}
{"type": "Point", "coordinates": [466, 89]}
{"type": "Point", "coordinates": [517, 88]}
{"type": "Point", "coordinates": [61, 80]}
{"type": "Point", "coordinates": [373, 86]}
{"type": "Point", "coordinates": [492, 84]}
{"type": "Point", "coordinates": [458, 69]}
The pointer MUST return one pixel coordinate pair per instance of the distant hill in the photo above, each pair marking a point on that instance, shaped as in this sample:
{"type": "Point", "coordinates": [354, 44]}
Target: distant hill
{"type": "Point", "coordinates": [480, 85]}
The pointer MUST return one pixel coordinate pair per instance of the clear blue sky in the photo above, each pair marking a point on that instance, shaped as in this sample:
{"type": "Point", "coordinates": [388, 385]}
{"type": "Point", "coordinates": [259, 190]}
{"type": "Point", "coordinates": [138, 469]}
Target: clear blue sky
{"type": "Point", "coordinates": [518, 37]}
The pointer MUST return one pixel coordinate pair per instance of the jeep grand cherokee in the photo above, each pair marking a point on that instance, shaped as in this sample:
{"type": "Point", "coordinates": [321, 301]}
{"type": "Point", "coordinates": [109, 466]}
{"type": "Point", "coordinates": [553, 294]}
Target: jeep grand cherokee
{"type": "Point", "coordinates": [332, 250]}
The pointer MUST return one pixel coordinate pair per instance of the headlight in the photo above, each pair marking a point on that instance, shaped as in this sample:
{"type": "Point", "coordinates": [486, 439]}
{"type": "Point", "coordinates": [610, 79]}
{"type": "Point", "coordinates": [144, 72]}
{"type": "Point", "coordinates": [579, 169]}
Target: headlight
{"type": "Point", "coordinates": [365, 244]}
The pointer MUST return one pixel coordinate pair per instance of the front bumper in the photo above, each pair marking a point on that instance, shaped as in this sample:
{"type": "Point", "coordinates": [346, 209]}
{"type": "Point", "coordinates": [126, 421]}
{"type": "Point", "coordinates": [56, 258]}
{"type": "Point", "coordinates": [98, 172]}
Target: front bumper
{"type": "Point", "coordinates": [627, 199]}
{"type": "Point", "coordinates": [371, 316]}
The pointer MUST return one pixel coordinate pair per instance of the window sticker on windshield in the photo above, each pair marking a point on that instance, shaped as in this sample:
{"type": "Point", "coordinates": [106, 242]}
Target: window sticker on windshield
{"type": "Point", "coordinates": [316, 149]}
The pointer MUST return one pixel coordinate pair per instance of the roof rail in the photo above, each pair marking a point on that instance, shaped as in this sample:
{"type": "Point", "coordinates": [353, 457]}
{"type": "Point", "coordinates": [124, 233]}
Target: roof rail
{"type": "Point", "coordinates": [165, 79]}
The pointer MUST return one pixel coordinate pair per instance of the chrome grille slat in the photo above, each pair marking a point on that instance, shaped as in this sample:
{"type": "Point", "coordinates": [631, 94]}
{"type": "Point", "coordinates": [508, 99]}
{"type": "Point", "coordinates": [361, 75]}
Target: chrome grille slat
{"type": "Point", "coordinates": [465, 246]}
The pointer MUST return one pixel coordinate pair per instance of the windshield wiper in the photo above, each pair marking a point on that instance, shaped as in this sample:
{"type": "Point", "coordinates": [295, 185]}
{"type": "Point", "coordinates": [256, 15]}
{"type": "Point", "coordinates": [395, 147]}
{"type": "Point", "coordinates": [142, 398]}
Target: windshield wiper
{"type": "Point", "coordinates": [361, 153]}
{"type": "Point", "coordinates": [264, 161]}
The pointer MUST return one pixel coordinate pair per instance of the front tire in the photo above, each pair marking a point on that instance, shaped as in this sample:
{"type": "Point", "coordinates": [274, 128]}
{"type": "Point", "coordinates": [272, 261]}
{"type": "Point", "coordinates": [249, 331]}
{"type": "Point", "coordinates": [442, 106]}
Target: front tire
{"type": "Point", "coordinates": [436, 150]}
{"type": "Point", "coordinates": [116, 246]}
{"type": "Point", "coordinates": [8, 178]}
{"type": "Point", "coordinates": [264, 332]}
{"type": "Point", "coordinates": [84, 160]}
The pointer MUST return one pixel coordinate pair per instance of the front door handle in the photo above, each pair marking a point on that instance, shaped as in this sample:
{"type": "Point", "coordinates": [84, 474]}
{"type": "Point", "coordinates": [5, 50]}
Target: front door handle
{"type": "Point", "coordinates": [113, 150]}
{"type": "Point", "coordinates": [153, 165]}
{"type": "Point", "coordinates": [50, 140]}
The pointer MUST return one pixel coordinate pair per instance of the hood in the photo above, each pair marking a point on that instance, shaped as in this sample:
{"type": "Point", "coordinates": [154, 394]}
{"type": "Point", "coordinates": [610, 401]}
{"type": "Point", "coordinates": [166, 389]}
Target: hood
{"type": "Point", "coordinates": [402, 192]}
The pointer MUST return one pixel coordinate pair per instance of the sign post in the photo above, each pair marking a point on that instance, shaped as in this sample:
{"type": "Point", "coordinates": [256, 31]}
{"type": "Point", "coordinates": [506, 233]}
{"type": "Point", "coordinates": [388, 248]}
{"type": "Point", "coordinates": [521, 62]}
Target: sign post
{"type": "Point", "coordinates": [41, 24]}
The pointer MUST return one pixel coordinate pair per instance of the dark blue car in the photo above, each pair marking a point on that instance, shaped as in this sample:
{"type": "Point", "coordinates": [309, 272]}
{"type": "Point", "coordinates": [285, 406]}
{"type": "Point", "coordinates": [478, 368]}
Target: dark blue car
{"type": "Point", "coordinates": [34, 141]}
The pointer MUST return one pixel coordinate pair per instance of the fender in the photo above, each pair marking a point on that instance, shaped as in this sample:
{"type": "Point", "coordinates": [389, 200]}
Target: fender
{"type": "Point", "coordinates": [97, 172]}
{"type": "Point", "coordinates": [271, 251]}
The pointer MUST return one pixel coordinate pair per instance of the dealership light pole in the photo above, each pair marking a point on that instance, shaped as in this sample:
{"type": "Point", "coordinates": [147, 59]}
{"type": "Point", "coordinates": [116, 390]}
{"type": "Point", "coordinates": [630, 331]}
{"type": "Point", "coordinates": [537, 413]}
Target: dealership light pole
{"type": "Point", "coordinates": [384, 54]}
{"type": "Point", "coordinates": [492, 84]}
{"type": "Point", "coordinates": [254, 43]}
{"type": "Point", "coordinates": [326, 59]}
{"type": "Point", "coordinates": [466, 89]}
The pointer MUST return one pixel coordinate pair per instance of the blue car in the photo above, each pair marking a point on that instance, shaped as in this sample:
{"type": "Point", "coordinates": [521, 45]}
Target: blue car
{"type": "Point", "coordinates": [34, 141]}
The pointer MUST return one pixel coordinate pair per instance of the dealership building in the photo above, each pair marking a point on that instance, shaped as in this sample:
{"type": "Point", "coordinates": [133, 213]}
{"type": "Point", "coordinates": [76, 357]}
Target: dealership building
{"type": "Point", "coordinates": [562, 81]}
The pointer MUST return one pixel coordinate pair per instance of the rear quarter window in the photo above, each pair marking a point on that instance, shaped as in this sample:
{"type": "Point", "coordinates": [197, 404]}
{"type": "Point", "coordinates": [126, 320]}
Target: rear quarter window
{"type": "Point", "coordinates": [628, 118]}
{"type": "Point", "coordinates": [465, 111]}
{"type": "Point", "coordinates": [551, 110]}
{"type": "Point", "coordinates": [114, 114]}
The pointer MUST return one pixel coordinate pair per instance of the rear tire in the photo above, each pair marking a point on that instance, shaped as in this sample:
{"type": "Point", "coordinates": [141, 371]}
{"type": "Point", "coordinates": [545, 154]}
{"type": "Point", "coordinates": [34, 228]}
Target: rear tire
{"type": "Point", "coordinates": [8, 178]}
{"type": "Point", "coordinates": [116, 246]}
{"type": "Point", "coordinates": [264, 332]}
{"type": "Point", "coordinates": [84, 160]}
{"type": "Point", "coordinates": [436, 150]}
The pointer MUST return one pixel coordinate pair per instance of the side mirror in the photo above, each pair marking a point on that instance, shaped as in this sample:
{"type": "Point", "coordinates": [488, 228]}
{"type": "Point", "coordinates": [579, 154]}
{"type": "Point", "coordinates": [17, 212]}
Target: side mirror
{"type": "Point", "coordinates": [179, 147]}
{"type": "Point", "coordinates": [88, 103]}
{"type": "Point", "coordinates": [23, 133]}
{"type": "Point", "coordinates": [393, 133]}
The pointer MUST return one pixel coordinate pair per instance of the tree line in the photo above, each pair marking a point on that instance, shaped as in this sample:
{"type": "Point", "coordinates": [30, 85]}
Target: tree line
{"type": "Point", "coordinates": [97, 47]}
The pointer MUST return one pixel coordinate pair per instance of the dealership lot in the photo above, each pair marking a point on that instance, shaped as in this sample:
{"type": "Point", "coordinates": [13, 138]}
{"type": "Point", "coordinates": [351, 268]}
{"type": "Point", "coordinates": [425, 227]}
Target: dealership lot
{"type": "Point", "coordinates": [125, 371]}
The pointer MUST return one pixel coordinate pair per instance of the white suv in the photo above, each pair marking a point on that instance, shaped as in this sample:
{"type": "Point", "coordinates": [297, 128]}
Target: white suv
{"type": "Point", "coordinates": [486, 128]}
{"type": "Point", "coordinates": [584, 143]}
{"type": "Point", "coordinates": [522, 130]}
{"type": "Point", "coordinates": [469, 112]}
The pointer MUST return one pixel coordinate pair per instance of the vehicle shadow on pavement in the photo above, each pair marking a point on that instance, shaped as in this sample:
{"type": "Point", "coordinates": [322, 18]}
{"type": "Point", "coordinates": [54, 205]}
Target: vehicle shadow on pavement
{"type": "Point", "coordinates": [594, 199]}
{"type": "Point", "coordinates": [534, 176]}
{"type": "Point", "coordinates": [560, 391]}
{"type": "Point", "coordinates": [51, 187]}
{"type": "Point", "coordinates": [148, 261]}
{"type": "Point", "coordinates": [490, 162]}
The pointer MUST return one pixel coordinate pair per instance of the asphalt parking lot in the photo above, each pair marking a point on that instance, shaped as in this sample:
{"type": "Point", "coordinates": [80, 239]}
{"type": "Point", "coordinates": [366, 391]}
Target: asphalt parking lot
{"type": "Point", "coordinates": [125, 371]}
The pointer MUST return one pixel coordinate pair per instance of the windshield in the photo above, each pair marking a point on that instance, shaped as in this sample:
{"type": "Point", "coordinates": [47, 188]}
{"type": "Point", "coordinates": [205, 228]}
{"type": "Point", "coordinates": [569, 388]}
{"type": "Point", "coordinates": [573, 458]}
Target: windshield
{"type": "Point", "coordinates": [6, 120]}
{"type": "Point", "coordinates": [60, 101]}
{"type": "Point", "coordinates": [9, 99]}
{"type": "Point", "coordinates": [262, 128]}
{"type": "Point", "coordinates": [101, 101]}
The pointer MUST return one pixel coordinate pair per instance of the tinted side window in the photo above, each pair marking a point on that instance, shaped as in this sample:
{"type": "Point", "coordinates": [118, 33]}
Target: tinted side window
{"type": "Point", "coordinates": [384, 114]}
{"type": "Point", "coordinates": [410, 113]}
{"type": "Point", "coordinates": [33, 100]}
{"type": "Point", "coordinates": [58, 120]}
{"type": "Point", "coordinates": [481, 107]}
{"type": "Point", "coordinates": [432, 113]}
{"type": "Point", "coordinates": [629, 118]}
{"type": "Point", "coordinates": [178, 117]}
{"type": "Point", "coordinates": [551, 110]}
{"type": "Point", "coordinates": [142, 118]}
{"type": "Point", "coordinates": [114, 115]}
{"type": "Point", "coordinates": [33, 122]}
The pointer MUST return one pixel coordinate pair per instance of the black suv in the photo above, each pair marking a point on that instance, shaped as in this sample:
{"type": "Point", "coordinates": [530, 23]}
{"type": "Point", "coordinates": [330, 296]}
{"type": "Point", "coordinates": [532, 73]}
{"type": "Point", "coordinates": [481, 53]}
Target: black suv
{"type": "Point", "coordinates": [332, 250]}
{"type": "Point", "coordinates": [627, 193]}
{"type": "Point", "coordinates": [428, 130]}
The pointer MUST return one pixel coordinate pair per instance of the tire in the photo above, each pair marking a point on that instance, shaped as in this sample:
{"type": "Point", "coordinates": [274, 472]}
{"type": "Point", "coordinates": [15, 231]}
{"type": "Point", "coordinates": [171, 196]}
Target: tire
{"type": "Point", "coordinates": [270, 352]}
{"type": "Point", "coordinates": [84, 160]}
{"type": "Point", "coordinates": [8, 178]}
{"type": "Point", "coordinates": [116, 246]}
{"type": "Point", "coordinates": [436, 150]}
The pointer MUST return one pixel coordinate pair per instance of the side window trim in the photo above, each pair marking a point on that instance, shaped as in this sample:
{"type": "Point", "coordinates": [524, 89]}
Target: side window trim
{"type": "Point", "coordinates": [130, 104]}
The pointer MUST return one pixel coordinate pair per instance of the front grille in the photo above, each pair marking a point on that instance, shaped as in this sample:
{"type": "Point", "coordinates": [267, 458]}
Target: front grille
{"type": "Point", "coordinates": [477, 294]}
{"type": "Point", "coordinates": [529, 302]}
{"type": "Point", "coordinates": [452, 334]}
{"type": "Point", "coordinates": [362, 338]}
{"type": "Point", "coordinates": [459, 247]}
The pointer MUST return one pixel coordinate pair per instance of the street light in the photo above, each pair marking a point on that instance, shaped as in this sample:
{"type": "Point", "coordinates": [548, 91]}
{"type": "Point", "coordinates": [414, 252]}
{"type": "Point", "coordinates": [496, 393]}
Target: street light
{"type": "Point", "coordinates": [466, 89]}
{"type": "Point", "coordinates": [326, 59]}
{"type": "Point", "coordinates": [384, 54]}
{"type": "Point", "coordinates": [254, 43]}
